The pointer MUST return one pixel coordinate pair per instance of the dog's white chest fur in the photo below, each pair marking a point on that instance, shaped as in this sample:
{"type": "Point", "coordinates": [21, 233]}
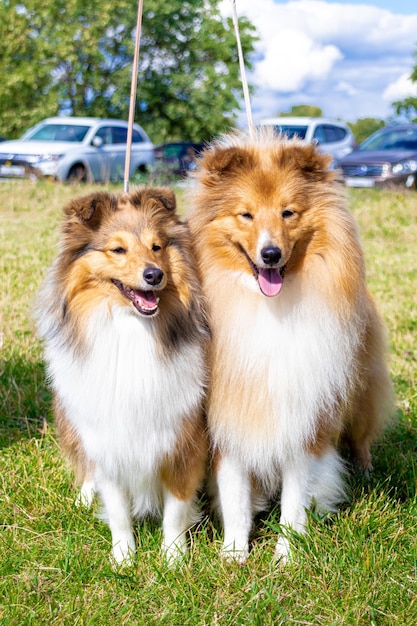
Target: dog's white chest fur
{"type": "Point", "coordinates": [286, 361]}
{"type": "Point", "coordinates": [126, 403]}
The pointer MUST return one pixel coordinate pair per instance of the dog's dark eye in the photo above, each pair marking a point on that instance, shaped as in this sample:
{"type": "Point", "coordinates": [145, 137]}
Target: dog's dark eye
{"type": "Point", "coordinates": [287, 213]}
{"type": "Point", "coordinates": [247, 216]}
{"type": "Point", "coordinates": [156, 248]}
{"type": "Point", "coordinates": [119, 250]}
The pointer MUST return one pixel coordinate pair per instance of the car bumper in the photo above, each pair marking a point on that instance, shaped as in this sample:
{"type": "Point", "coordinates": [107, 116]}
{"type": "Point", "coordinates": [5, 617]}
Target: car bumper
{"type": "Point", "coordinates": [367, 182]}
{"type": "Point", "coordinates": [11, 169]}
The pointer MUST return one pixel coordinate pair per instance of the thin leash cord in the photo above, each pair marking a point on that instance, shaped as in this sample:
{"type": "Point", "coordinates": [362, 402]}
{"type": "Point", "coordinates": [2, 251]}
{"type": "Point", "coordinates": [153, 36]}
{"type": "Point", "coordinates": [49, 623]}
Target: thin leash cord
{"type": "Point", "coordinates": [133, 86]}
{"type": "Point", "coordinates": [243, 77]}
{"type": "Point", "coordinates": [132, 102]}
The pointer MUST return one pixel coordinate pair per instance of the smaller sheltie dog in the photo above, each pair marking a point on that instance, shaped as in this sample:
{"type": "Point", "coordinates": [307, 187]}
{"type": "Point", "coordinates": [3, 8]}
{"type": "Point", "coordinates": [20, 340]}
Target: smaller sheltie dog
{"type": "Point", "coordinates": [297, 355]}
{"type": "Point", "coordinates": [125, 331]}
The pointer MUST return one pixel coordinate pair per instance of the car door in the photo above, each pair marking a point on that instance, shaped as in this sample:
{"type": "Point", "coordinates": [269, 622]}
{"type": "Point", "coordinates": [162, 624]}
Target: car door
{"type": "Point", "coordinates": [329, 138]}
{"type": "Point", "coordinates": [103, 152]}
{"type": "Point", "coordinates": [118, 152]}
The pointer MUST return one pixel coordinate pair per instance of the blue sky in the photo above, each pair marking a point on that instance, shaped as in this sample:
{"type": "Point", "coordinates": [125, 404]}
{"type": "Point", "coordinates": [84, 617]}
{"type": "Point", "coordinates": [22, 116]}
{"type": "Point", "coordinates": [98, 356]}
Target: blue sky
{"type": "Point", "coordinates": [401, 6]}
{"type": "Point", "coordinates": [352, 58]}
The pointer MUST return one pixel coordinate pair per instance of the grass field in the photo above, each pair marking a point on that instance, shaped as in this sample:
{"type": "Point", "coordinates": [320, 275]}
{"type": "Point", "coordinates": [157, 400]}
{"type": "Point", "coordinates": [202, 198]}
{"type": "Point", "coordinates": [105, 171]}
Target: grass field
{"type": "Point", "coordinates": [358, 568]}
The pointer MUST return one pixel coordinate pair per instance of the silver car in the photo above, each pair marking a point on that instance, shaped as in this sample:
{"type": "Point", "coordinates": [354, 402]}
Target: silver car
{"type": "Point", "coordinates": [332, 136]}
{"type": "Point", "coordinates": [76, 149]}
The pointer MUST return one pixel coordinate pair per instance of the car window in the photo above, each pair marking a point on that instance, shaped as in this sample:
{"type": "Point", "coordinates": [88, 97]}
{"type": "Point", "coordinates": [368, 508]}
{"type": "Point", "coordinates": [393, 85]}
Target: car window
{"type": "Point", "coordinates": [105, 133]}
{"type": "Point", "coordinates": [408, 142]}
{"type": "Point", "coordinates": [377, 142]}
{"type": "Point", "coordinates": [391, 140]}
{"type": "Point", "coordinates": [119, 134]}
{"type": "Point", "coordinates": [136, 137]}
{"type": "Point", "coordinates": [334, 133]}
{"type": "Point", "coordinates": [319, 134]}
{"type": "Point", "coordinates": [327, 133]}
{"type": "Point", "coordinates": [291, 130]}
{"type": "Point", "coordinates": [59, 132]}
{"type": "Point", "coordinates": [174, 151]}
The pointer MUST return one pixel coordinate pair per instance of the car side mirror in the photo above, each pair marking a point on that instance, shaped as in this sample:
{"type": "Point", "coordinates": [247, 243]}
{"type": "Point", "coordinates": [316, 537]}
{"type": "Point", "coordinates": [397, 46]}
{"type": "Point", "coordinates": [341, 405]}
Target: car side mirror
{"type": "Point", "coordinates": [97, 142]}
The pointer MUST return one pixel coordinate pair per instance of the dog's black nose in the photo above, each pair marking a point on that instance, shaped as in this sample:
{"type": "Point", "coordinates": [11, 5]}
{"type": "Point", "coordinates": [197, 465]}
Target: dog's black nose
{"type": "Point", "coordinates": [271, 255]}
{"type": "Point", "coordinates": [153, 275]}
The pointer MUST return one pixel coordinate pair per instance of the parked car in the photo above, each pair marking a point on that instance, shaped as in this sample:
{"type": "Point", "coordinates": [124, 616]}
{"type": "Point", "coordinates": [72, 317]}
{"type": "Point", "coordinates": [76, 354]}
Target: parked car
{"type": "Point", "coordinates": [332, 136]}
{"type": "Point", "coordinates": [179, 156]}
{"type": "Point", "coordinates": [387, 157]}
{"type": "Point", "coordinates": [76, 149]}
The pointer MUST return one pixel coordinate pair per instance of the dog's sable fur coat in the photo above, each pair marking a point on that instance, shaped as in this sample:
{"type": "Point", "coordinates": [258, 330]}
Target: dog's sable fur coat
{"type": "Point", "coordinates": [125, 332]}
{"type": "Point", "coordinates": [298, 351]}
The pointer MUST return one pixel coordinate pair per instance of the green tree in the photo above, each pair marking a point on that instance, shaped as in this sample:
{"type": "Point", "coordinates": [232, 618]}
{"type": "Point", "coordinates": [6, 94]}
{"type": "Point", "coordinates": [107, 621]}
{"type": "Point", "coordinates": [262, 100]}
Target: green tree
{"type": "Point", "coordinates": [408, 106]}
{"type": "Point", "coordinates": [27, 93]}
{"type": "Point", "coordinates": [364, 127]}
{"type": "Point", "coordinates": [303, 110]}
{"type": "Point", "coordinates": [76, 57]}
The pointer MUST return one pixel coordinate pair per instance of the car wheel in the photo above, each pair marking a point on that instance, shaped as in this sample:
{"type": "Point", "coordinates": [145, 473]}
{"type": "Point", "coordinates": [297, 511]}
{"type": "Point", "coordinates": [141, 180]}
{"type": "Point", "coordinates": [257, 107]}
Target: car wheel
{"type": "Point", "coordinates": [141, 174]}
{"type": "Point", "coordinates": [77, 174]}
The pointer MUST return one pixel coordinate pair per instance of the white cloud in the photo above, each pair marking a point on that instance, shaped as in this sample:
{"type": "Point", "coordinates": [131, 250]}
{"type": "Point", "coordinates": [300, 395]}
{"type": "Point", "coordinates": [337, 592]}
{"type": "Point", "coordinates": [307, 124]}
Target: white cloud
{"type": "Point", "coordinates": [349, 59]}
{"type": "Point", "coordinates": [400, 89]}
{"type": "Point", "coordinates": [294, 59]}
{"type": "Point", "coordinates": [346, 88]}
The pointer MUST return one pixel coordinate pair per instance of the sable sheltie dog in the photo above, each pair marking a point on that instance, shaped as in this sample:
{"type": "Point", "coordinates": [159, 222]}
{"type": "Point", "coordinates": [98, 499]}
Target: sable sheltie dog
{"type": "Point", "coordinates": [297, 354]}
{"type": "Point", "coordinates": [125, 336]}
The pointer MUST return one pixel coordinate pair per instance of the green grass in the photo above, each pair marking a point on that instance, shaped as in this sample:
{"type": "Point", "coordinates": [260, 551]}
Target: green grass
{"type": "Point", "coordinates": [358, 568]}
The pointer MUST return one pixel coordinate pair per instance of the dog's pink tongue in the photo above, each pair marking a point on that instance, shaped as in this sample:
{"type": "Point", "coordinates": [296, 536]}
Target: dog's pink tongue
{"type": "Point", "coordinates": [270, 281]}
{"type": "Point", "coordinates": [145, 301]}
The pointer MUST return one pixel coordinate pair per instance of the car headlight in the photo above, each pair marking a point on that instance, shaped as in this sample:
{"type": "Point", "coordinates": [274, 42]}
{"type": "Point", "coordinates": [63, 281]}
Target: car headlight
{"type": "Point", "coordinates": [405, 167]}
{"type": "Point", "coordinates": [48, 158]}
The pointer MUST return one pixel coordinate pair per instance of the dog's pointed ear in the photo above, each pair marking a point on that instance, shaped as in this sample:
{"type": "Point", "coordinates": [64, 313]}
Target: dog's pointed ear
{"type": "Point", "coordinates": [225, 161]}
{"type": "Point", "coordinates": [163, 195]}
{"type": "Point", "coordinates": [90, 210]}
{"type": "Point", "coordinates": [314, 165]}
{"type": "Point", "coordinates": [166, 196]}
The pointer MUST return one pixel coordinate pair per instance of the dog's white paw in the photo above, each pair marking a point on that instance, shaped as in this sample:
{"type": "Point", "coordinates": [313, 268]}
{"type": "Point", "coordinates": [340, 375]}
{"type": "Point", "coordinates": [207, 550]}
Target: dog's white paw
{"type": "Point", "coordinates": [235, 554]}
{"type": "Point", "coordinates": [282, 552]}
{"type": "Point", "coordinates": [86, 496]}
{"type": "Point", "coordinates": [123, 554]}
{"type": "Point", "coordinates": [174, 553]}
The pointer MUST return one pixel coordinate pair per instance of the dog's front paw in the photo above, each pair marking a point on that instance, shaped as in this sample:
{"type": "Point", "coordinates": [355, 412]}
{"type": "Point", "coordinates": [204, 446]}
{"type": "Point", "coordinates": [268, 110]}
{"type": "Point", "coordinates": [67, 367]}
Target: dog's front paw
{"type": "Point", "coordinates": [235, 554]}
{"type": "Point", "coordinates": [123, 554]}
{"type": "Point", "coordinates": [174, 553]}
{"type": "Point", "coordinates": [86, 495]}
{"type": "Point", "coordinates": [282, 552]}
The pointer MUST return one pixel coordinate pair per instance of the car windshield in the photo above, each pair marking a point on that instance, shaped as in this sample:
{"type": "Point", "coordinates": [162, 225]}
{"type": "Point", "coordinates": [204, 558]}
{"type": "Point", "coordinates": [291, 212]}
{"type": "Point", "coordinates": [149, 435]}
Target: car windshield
{"type": "Point", "coordinates": [392, 140]}
{"type": "Point", "coordinates": [291, 130]}
{"type": "Point", "coordinates": [58, 132]}
{"type": "Point", "coordinates": [173, 151]}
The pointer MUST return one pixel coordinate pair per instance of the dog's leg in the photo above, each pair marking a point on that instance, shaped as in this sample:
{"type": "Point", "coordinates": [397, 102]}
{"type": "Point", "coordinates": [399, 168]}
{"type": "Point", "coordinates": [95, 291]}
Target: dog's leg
{"type": "Point", "coordinates": [179, 516]}
{"type": "Point", "coordinates": [308, 479]}
{"type": "Point", "coordinates": [118, 515]}
{"type": "Point", "coordinates": [87, 492]}
{"type": "Point", "coordinates": [295, 499]}
{"type": "Point", "coordinates": [234, 487]}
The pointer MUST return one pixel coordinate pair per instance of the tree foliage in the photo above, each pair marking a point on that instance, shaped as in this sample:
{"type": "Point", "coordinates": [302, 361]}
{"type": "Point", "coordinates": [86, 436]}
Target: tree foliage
{"type": "Point", "coordinates": [27, 92]}
{"type": "Point", "coordinates": [408, 106]}
{"type": "Point", "coordinates": [364, 127]}
{"type": "Point", "coordinates": [303, 110]}
{"type": "Point", "coordinates": [75, 56]}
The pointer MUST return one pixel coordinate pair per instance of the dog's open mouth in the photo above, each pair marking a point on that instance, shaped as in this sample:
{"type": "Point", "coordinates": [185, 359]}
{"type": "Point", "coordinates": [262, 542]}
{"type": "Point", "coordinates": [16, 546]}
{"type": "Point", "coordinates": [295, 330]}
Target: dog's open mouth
{"type": "Point", "coordinates": [270, 279]}
{"type": "Point", "coordinates": [145, 302]}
